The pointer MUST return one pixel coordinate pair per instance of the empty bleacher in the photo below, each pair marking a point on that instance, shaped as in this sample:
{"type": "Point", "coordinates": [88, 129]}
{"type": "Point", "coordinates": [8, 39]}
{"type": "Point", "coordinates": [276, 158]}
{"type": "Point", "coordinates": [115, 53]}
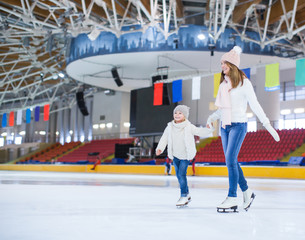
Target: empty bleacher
{"type": "Point", "coordinates": [105, 148]}
{"type": "Point", "coordinates": [257, 146]}
{"type": "Point", "coordinates": [50, 153]}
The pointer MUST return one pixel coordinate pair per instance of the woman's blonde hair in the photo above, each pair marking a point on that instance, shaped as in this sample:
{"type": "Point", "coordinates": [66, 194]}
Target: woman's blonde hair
{"type": "Point", "coordinates": [236, 75]}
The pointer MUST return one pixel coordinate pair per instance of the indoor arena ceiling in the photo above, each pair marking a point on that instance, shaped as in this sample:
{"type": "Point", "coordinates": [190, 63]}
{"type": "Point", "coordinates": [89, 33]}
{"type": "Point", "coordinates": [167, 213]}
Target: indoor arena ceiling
{"type": "Point", "coordinates": [35, 35]}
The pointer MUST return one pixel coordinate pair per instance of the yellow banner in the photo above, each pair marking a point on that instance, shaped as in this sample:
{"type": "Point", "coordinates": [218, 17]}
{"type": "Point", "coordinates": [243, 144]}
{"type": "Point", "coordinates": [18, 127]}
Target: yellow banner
{"type": "Point", "coordinates": [216, 83]}
{"type": "Point", "coordinates": [272, 82]}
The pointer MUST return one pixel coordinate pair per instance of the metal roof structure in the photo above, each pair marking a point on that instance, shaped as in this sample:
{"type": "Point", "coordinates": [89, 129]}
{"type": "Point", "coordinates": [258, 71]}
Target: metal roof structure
{"type": "Point", "coordinates": [35, 36]}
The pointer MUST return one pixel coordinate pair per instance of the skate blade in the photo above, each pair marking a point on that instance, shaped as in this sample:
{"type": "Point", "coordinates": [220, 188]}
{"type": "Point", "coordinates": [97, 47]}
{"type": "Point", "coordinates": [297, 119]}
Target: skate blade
{"type": "Point", "coordinates": [183, 205]}
{"type": "Point", "coordinates": [252, 198]}
{"type": "Point", "coordinates": [228, 210]}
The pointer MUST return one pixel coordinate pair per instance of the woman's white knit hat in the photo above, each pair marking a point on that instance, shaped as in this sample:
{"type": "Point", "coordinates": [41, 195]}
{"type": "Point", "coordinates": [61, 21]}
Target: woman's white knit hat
{"type": "Point", "coordinates": [184, 109]}
{"type": "Point", "coordinates": [233, 56]}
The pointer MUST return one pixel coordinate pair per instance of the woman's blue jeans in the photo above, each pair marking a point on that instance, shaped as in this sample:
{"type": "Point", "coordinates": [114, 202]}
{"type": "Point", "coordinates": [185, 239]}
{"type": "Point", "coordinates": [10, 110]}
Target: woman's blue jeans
{"type": "Point", "coordinates": [232, 137]}
{"type": "Point", "coordinates": [181, 170]}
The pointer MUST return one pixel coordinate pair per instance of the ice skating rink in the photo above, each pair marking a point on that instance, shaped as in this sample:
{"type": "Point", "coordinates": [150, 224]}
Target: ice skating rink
{"type": "Point", "coordinates": [79, 206]}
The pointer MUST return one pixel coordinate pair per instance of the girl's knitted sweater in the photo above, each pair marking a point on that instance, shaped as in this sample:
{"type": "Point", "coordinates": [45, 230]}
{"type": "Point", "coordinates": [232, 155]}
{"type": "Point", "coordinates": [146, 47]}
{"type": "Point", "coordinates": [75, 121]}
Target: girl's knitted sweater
{"type": "Point", "coordinates": [180, 141]}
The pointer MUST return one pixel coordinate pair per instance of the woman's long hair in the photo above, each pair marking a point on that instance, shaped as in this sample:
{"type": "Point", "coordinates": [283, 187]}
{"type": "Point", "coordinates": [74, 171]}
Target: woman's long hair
{"type": "Point", "coordinates": [236, 75]}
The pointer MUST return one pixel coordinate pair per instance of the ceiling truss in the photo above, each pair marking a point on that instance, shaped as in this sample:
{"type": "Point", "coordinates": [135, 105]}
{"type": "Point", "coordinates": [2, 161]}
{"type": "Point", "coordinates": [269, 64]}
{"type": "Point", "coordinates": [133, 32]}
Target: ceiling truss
{"type": "Point", "coordinates": [35, 35]}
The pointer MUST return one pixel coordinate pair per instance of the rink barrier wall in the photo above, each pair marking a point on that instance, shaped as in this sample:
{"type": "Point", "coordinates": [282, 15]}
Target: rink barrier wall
{"type": "Point", "coordinates": [294, 172]}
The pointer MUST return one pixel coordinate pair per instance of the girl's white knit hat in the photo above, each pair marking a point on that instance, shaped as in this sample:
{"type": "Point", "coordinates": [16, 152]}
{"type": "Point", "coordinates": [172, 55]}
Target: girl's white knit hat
{"type": "Point", "coordinates": [184, 109]}
{"type": "Point", "coordinates": [233, 56]}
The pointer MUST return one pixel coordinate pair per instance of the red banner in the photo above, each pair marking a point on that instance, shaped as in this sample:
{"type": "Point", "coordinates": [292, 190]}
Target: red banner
{"type": "Point", "coordinates": [46, 112]}
{"type": "Point", "coordinates": [11, 119]}
{"type": "Point", "coordinates": [158, 94]}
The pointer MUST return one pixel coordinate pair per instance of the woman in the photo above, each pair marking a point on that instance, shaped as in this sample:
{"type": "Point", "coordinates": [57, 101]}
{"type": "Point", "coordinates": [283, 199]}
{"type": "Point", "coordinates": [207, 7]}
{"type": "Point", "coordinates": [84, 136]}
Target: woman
{"type": "Point", "coordinates": [235, 92]}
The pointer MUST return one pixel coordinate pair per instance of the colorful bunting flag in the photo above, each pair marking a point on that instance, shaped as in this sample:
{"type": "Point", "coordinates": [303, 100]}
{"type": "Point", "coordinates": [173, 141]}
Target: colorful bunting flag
{"type": "Point", "coordinates": [196, 88]}
{"type": "Point", "coordinates": [46, 112]}
{"type": "Point", "coordinates": [300, 72]}
{"type": "Point", "coordinates": [4, 120]}
{"type": "Point", "coordinates": [216, 83]}
{"type": "Point", "coordinates": [19, 117]}
{"type": "Point", "coordinates": [272, 76]}
{"type": "Point", "coordinates": [37, 113]}
{"type": "Point", "coordinates": [158, 94]}
{"type": "Point", "coordinates": [177, 90]}
{"type": "Point", "coordinates": [28, 115]}
{"type": "Point", "coordinates": [11, 119]}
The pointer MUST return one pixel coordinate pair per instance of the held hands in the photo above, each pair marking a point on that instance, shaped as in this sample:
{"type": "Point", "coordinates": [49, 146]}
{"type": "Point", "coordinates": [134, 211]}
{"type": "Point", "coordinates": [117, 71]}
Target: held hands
{"type": "Point", "coordinates": [209, 123]}
{"type": "Point", "coordinates": [158, 152]}
{"type": "Point", "coordinates": [272, 131]}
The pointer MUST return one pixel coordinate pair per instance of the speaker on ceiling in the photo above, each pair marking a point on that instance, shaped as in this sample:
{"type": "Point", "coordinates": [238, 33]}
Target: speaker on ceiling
{"type": "Point", "coordinates": [81, 103]}
{"type": "Point", "coordinates": [116, 77]}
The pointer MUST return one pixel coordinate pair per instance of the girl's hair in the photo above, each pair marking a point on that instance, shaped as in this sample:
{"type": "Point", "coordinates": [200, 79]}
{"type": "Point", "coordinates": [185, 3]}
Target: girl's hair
{"type": "Point", "coordinates": [236, 75]}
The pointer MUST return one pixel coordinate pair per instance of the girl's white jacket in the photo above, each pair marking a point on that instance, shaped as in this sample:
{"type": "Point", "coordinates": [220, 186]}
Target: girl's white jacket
{"type": "Point", "coordinates": [180, 141]}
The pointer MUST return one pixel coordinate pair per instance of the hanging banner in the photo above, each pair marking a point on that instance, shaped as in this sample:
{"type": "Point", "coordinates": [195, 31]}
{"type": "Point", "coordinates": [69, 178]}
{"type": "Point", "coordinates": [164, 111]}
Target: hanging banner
{"type": "Point", "coordinates": [272, 76]}
{"type": "Point", "coordinates": [300, 72]}
{"type": "Point", "coordinates": [158, 94]}
{"type": "Point", "coordinates": [37, 112]}
{"type": "Point", "coordinates": [19, 117]}
{"type": "Point", "coordinates": [166, 98]}
{"type": "Point", "coordinates": [11, 119]}
{"type": "Point", "coordinates": [28, 116]}
{"type": "Point", "coordinates": [247, 71]}
{"type": "Point", "coordinates": [177, 90]}
{"type": "Point", "coordinates": [46, 112]}
{"type": "Point", "coordinates": [196, 88]}
{"type": "Point", "coordinates": [216, 83]}
{"type": "Point", "coordinates": [4, 120]}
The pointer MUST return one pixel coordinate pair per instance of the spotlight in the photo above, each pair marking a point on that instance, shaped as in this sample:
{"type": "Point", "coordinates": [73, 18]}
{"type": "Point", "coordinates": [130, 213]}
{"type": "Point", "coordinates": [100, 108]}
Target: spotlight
{"type": "Point", "coordinates": [61, 75]}
{"type": "Point", "coordinates": [41, 77]}
{"type": "Point", "coordinates": [211, 48]}
{"type": "Point", "coordinates": [176, 42]}
{"type": "Point", "coordinates": [201, 36]}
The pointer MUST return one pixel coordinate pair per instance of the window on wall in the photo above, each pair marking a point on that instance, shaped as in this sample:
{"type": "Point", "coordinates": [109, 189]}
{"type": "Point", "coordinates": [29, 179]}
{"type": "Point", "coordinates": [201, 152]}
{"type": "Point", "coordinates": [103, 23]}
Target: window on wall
{"type": "Point", "coordinates": [291, 92]}
{"type": "Point", "coordinates": [292, 121]}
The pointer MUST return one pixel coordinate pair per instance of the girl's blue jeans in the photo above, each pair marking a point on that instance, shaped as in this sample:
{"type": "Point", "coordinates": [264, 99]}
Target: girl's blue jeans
{"type": "Point", "coordinates": [232, 137]}
{"type": "Point", "coordinates": [181, 170]}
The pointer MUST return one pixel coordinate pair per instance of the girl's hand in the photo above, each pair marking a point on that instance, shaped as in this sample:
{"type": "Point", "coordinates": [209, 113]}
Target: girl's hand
{"type": "Point", "coordinates": [158, 152]}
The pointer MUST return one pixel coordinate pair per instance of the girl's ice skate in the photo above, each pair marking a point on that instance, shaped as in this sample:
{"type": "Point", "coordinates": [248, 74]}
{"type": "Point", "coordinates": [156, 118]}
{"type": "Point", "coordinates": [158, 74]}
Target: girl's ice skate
{"type": "Point", "coordinates": [183, 201]}
{"type": "Point", "coordinates": [248, 198]}
{"type": "Point", "coordinates": [228, 205]}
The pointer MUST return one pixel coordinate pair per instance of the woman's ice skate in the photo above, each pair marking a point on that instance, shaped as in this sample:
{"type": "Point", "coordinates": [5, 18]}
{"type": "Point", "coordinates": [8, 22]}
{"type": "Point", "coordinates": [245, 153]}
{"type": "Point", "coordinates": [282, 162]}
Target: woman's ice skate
{"type": "Point", "coordinates": [248, 198]}
{"type": "Point", "coordinates": [228, 205]}
{"type": "Point", "coordinates": [183, 201]}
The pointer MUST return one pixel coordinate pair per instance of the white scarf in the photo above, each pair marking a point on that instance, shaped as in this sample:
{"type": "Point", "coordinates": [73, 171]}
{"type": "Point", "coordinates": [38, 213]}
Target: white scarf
{"type": "Point", "coordinates": [188, 139]}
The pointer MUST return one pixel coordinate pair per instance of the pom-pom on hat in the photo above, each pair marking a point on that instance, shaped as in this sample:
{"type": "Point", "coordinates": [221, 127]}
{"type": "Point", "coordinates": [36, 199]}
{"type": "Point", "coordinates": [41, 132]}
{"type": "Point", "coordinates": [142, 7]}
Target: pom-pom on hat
{"type": "Point", "coordinates": [233, 56]}
{"type": "Point", "coordinates": [184, 109]}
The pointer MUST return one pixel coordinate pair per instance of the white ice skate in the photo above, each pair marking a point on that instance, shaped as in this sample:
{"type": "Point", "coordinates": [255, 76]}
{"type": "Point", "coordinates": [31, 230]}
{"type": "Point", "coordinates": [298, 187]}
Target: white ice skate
{"type": "Point", "coordinates": [183, 201]}
{"type": "Point", "coordinates": [248, 198]}
{"type": "Point", "coordinates": [228, 205]}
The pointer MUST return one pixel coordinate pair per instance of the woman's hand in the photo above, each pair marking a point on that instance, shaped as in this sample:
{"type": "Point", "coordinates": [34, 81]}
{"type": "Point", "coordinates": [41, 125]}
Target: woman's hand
{"type": "Point", "coordinates": [158, 152]}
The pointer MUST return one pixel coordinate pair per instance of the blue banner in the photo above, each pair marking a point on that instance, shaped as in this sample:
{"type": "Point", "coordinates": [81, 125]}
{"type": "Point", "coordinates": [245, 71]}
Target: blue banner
{"type": "Point", "coordinates": [37, 113]}
{"type": "Point", "coordinates": [247, 71]}
{"type": "Point", "coordinates": [4, 120]}
{"type": "Point", "coordinates": [28, 115]}
{"type": "Point", "coordinates": [177, 90]}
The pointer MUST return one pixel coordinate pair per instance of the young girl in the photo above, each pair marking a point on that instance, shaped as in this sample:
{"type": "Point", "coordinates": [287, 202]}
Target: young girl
{"type": "Point", "coordinates": [235, 92]}
{"type": "Point", "coordinates": [179, 138]}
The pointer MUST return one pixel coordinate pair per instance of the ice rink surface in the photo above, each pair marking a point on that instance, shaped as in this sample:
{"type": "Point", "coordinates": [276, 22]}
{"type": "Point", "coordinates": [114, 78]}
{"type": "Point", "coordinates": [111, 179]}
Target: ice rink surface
{"type": "Point", "coordinates": [86, 206]}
